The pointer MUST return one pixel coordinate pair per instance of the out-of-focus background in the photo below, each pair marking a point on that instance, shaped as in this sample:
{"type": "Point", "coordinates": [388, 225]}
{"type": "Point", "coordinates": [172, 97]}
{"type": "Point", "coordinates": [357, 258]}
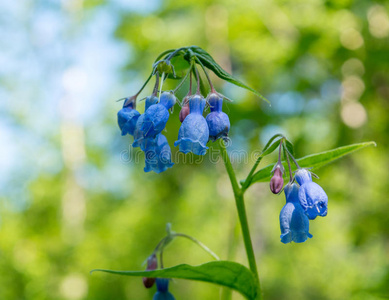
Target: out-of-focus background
{"type": "Point", "coordinates": [72, 199]}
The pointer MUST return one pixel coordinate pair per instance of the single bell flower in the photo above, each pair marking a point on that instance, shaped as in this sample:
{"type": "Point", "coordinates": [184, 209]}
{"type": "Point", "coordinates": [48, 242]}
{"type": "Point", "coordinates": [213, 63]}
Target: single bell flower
{"type": "Point", "coordinates": [294, 223]}
{"type": "Point", "coordinates": [193, 134]}
{"type": "Point", "coordinates": [312, 197]}
{"type": "Point", "coordinates": [128, 116]}
{"type": "Point", "coordinates": [158, 155]}
{"type": "Point", "coordinates": [157, 115]}
{"type": "Point", "coordinates": [139, 138]}
{"type": "Point", "coordinates": [218, 121]}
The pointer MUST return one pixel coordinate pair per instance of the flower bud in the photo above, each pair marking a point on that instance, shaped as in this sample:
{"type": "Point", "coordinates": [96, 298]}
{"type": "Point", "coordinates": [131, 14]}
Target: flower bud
{"type": "Point", "coordinates": [277, 181]}
{"type": "Point", "coordinates": [152, 264]}
{"type": "Point", "coordinates": [184, 110]}
{"type": "Point", "coordinates": [164, 66]}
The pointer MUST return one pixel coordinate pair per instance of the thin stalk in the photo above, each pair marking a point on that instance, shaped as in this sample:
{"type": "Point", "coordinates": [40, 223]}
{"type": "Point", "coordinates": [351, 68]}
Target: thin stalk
{"type": "Point", "coordinates": [240, 205]}
{"type": "Point", "coordinates": [155, 90]}
{"type": "Point", "coordinates": [182, 82]}
{"type": "Point", "coordinates": [198, 243]}
{"type": "Point", "coordinates": [291, 156]}
{"type": "Point", "coordinates": [161, 259]}
{"type": "Point", "coordinates": [198, 81]}
{"type": "Point", "coordinates": [279, 151]}
{"type": "Point", "coordinates": [247, 181]}
{"type": "Point", "coordinates": [144, 85]}
{"type": "Point", "coordinates": [206, 74]}
{"type": "Point", "coordinates": [190, 83]}
{"type": "Point", "coordinates": [160, 86]}
{"type": "Point", "coordinates": [288, 161]}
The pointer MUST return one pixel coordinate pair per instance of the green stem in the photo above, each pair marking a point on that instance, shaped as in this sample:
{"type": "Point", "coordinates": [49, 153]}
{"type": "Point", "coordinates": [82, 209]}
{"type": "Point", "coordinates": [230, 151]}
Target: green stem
{"type": "Point", "coordinates": [196, 241]}
{"type": "Point", "coordinates": [144, 85]}
{"type": "Point", "coordinates": [206, 74]}
{"type": "Point", "coordinates": [160, 87]}
{"type": "Point", "coordinates": [240, 205]}
{"type": "Point", "coordinates": [247, 182]}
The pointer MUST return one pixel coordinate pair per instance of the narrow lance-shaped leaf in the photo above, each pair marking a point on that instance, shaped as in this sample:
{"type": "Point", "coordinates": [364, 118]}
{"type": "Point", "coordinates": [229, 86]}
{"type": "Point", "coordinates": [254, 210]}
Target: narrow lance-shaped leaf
{"type": "Point", "coordinates": [207, 60]}
{"type": "Point", "coordinates": [278, 135]}
{"type": "Point", "coordinates": [313, 161]}
{"type": "Point", "coordinates": [225, 273]}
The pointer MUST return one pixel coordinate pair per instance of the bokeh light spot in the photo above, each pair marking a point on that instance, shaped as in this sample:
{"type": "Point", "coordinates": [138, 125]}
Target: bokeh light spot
{"type": "Point", "coordinates": [354, 114]}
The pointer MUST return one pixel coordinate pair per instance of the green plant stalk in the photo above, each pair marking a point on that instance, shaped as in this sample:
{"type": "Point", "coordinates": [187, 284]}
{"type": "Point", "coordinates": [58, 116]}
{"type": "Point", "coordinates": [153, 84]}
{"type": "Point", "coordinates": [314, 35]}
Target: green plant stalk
{"type": "Point", "coordinates": [240, 206]}
{"type": "Point", "coordinates": [247, 182]}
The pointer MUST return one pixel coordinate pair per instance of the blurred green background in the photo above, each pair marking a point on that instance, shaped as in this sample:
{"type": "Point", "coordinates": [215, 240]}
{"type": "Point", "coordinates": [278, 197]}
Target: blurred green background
{"type": "Point", "coordinates": [73, 198]}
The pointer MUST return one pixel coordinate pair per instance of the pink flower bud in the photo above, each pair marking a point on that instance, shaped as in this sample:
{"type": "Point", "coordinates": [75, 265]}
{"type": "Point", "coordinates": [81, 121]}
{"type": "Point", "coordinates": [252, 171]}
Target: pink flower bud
{"type": "Point", "coordinates": [184, 110]}
{"type": "Point", "coordinates": [152, 264]}
{"type": "Point", "coordinates": [276, 182]}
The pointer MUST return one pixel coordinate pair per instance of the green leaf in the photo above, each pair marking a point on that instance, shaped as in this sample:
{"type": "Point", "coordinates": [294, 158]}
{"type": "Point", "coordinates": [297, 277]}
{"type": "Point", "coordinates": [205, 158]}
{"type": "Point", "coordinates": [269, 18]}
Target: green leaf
{"type": "Point", "coordinates": [181, 67]}
{"type": "Point", "coordinates": [278, 135]}
{"type": "Point", "coordinates": [313, 161]}
{"type": "Point", "coordinates": [207, 60]}
{"type": "Point", "coordinates": [269, 149]}
{"type": "Point", "coordinates": [225, 273]}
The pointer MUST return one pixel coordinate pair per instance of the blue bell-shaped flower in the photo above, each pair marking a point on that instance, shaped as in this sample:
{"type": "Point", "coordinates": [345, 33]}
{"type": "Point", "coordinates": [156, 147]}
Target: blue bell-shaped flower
{"type": "Point", "coordinates": [162, 290]}
{"type": "Point", "coordinates": [139, 138]}
{"type": "Point", "coordinates": [293, 221]}
{"type": "Point", "coordinates": [158, 155]}
{"type": "Point", "coordinates": [128, 116]}
{"type": "Point", "coordinates": [194, 133]}
{"type": "Point", "coordinates": [218, 121]}
{"type": "Point", "coordinates": [312, 197]}
{"type": "Point", "coordinates": [157, 115]}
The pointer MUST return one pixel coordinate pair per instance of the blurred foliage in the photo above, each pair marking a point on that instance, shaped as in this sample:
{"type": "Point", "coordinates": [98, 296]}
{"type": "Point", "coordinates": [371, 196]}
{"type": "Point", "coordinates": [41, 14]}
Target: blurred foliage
{"type": "Point", "coordinates": [323, 65]}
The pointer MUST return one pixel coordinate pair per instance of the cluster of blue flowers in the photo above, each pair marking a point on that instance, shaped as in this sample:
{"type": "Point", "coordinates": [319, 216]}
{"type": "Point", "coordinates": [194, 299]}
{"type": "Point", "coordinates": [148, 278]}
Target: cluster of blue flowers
{"type": "Point", "coordinates": [304, 201]}
{"type": "Point", "coordinates": [194, 133]}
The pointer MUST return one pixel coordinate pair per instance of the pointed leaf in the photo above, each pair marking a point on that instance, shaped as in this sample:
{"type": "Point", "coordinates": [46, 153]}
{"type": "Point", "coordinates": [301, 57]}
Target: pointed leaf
{"type": "Point", "coordinates": [270, 149]}
{"type": "Point", "coordinates": [313, 161]}
{"type": "Point", "coordinates": [278, 135]}
{"type": "Point", "coordinates": [207, 60]}
{"type": "Point", "coordinates": [225, 273]}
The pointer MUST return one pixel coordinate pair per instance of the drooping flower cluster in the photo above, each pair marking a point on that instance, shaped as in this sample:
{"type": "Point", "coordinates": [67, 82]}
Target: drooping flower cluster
{"type": "Point", "coordinates": [194, 133]}
{"type": "Point", "coordinates": [305, 200]}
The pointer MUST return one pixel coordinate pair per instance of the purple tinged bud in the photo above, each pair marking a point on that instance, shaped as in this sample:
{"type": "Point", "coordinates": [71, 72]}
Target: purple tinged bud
{"type": "Point", "coordinates": [277, 181]}
{"type": "Point", "coordinates": [152, 264]}
{"type": "Point", "coordinates": [184, 110]}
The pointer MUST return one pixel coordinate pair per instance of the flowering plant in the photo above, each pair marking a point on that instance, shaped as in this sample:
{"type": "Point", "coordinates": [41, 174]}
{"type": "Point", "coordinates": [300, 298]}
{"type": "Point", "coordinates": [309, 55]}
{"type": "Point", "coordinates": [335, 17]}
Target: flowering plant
{"type": "Point", "coordinates": [305, 199]}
